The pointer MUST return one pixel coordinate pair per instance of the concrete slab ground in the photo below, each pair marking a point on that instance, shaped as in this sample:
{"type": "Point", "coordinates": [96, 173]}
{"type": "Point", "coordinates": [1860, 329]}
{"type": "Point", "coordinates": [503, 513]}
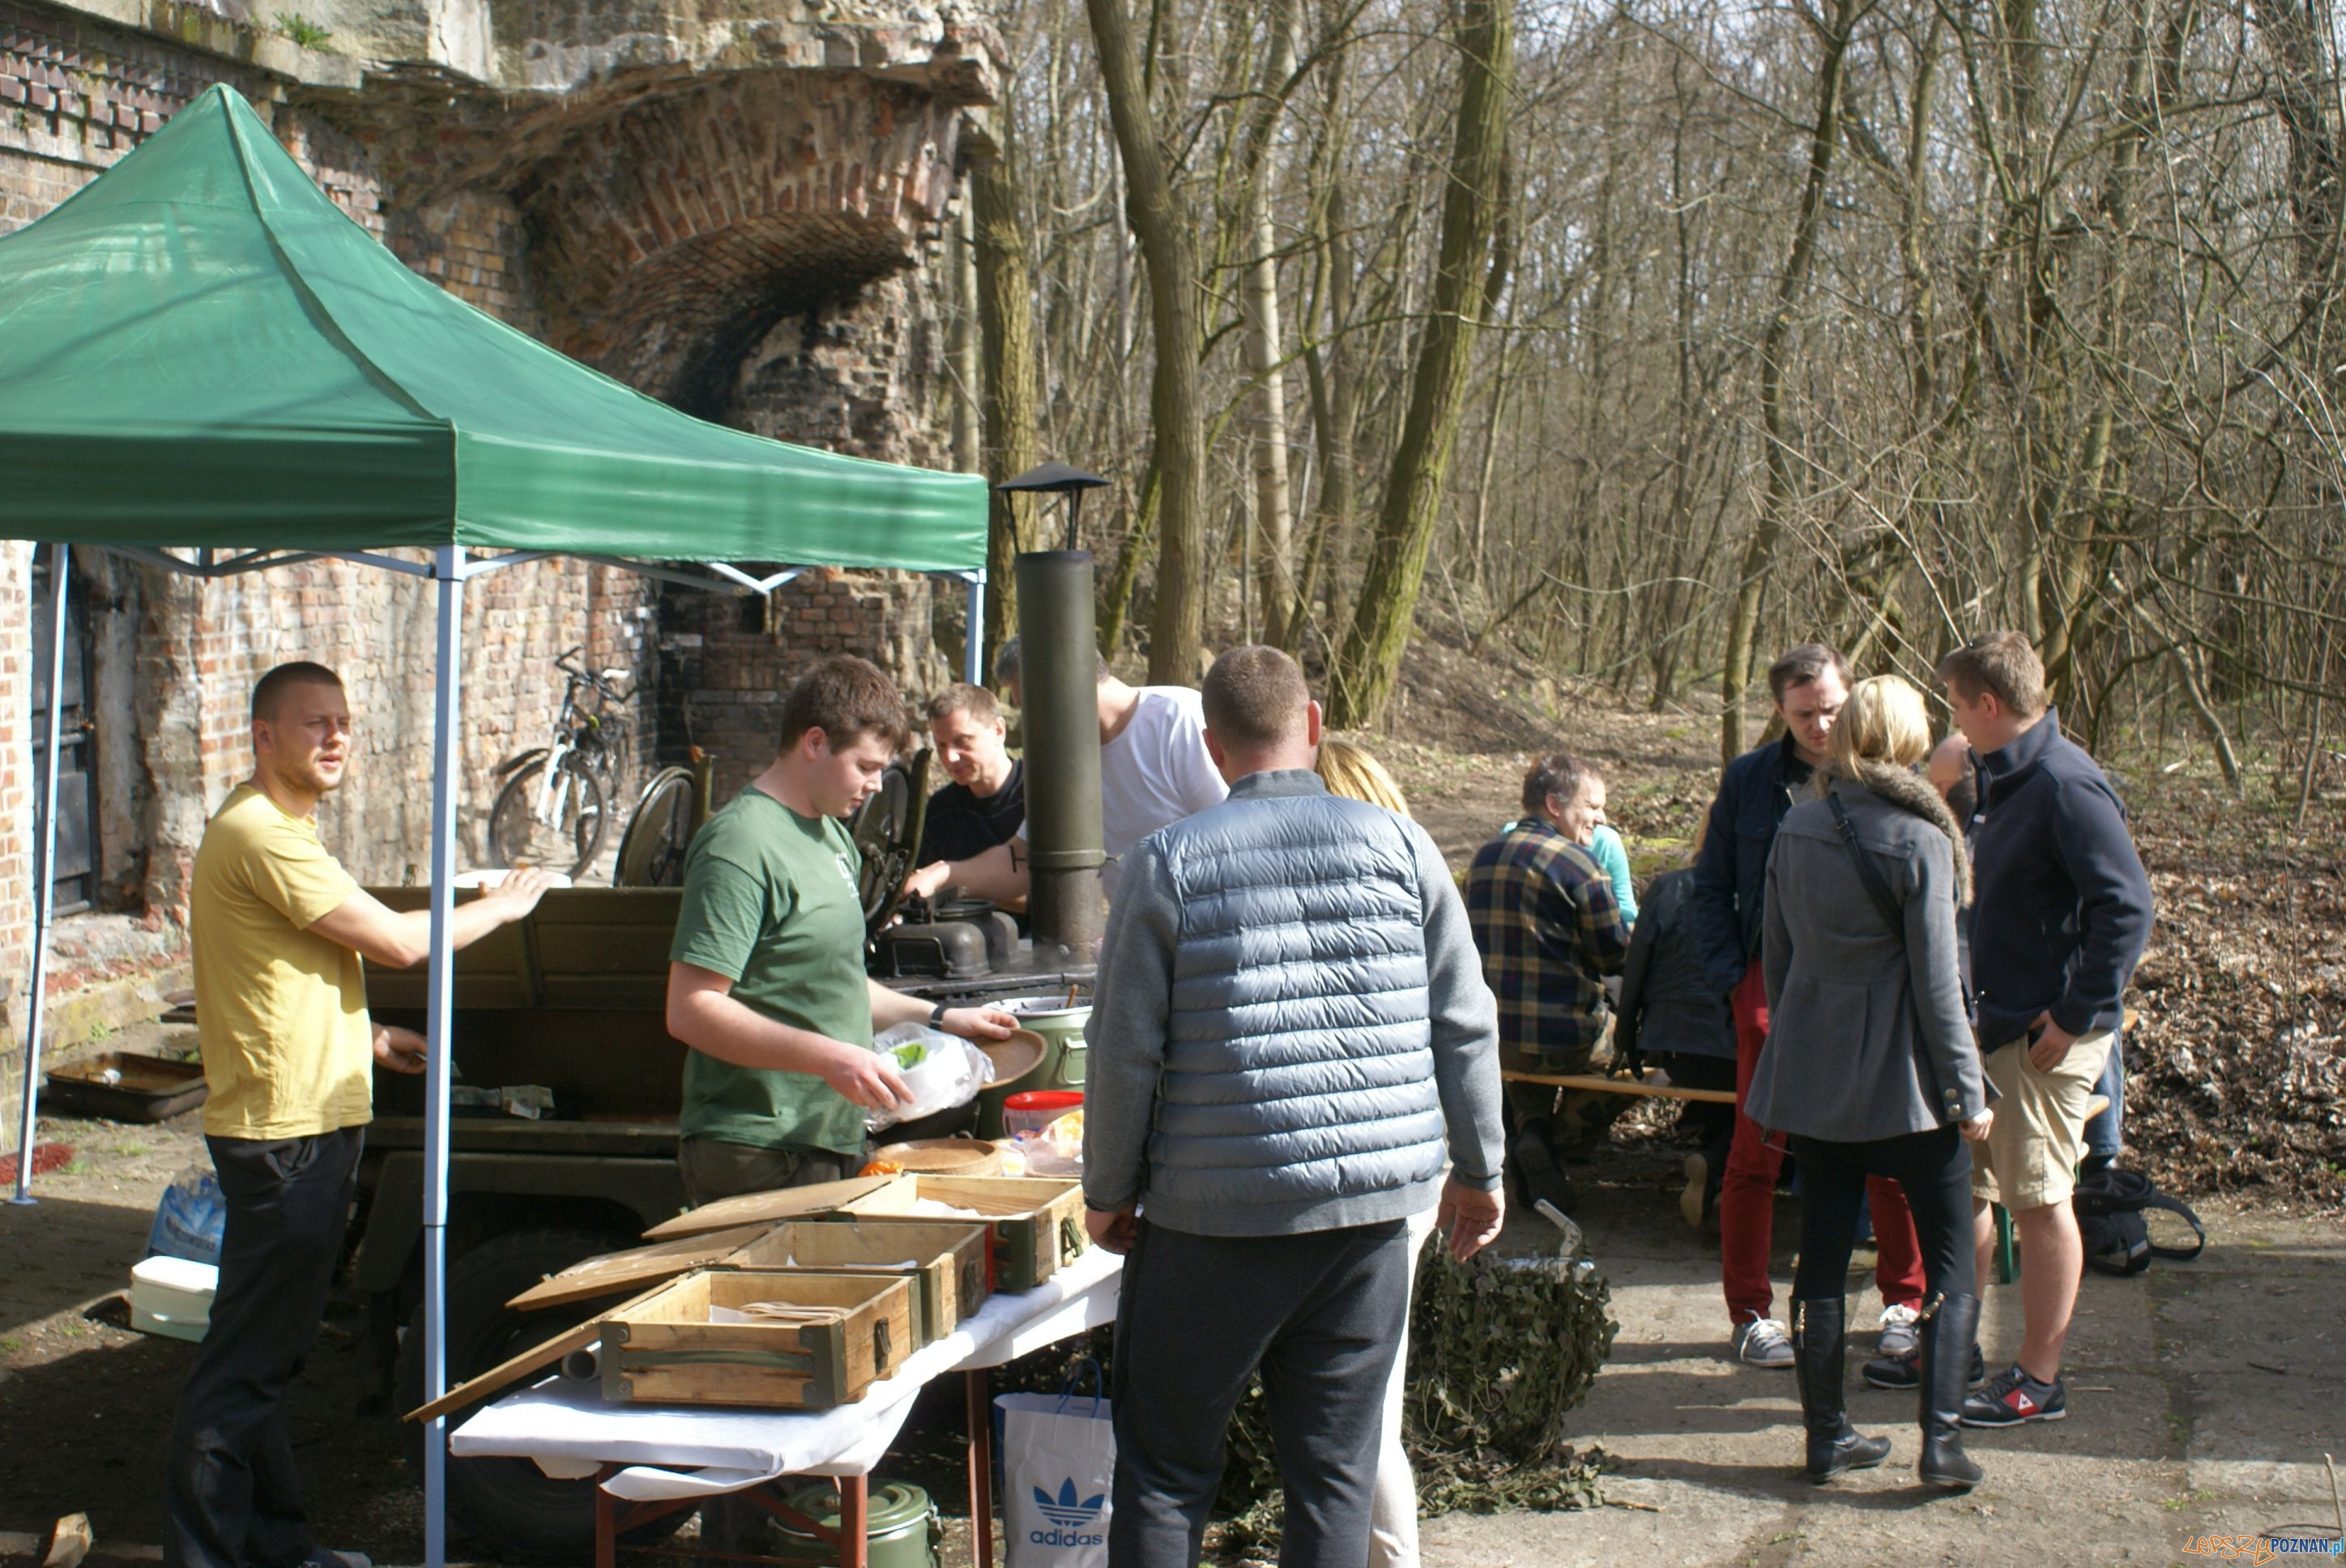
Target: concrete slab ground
{"type": "Point", "coordinates": [2203, 1396]}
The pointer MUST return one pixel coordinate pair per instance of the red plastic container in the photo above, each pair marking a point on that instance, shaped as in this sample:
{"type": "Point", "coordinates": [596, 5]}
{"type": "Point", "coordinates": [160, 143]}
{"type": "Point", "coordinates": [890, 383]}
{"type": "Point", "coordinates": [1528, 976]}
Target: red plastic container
{"type": "Point", "coordinates": [1036, 1109]}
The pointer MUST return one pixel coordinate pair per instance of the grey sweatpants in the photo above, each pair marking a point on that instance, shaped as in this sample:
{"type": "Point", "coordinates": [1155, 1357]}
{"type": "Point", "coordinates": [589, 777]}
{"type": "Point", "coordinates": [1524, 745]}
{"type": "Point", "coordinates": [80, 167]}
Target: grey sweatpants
{"type": "Point", "coordinates": [1321, 1313]}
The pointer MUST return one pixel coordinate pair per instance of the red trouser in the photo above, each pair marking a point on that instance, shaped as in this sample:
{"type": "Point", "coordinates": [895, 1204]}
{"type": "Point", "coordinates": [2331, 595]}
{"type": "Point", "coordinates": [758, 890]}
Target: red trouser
{"type": "Point", "coordinates": [1747, 1193]}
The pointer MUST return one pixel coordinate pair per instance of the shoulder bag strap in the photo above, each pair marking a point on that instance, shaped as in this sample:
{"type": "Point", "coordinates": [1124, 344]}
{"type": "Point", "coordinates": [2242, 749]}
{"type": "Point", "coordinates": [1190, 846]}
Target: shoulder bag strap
{"type": "Point", "coordinates": [1877, 886]}
{"type": "Point", "coordinates": [2171, 1205]}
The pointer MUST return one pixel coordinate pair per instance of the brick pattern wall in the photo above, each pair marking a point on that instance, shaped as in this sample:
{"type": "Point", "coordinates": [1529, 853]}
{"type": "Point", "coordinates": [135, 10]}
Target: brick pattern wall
{"type": "Point", "coordinates": [75, 96]}
{"type": "Point", "coordinates": [681, 230]}
{"type": "Point", "coordinates": [377, 629]}
{"type": "Point", "coordinates": [864, 375]}
{"type": "Point", "coordinates": [725, 665]}
{"type": "Point", "coordinates": [475, 244]}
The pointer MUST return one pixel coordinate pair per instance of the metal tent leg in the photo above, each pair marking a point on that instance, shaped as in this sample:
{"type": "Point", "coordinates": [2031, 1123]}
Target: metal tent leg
{"type": "Point", "coordinates": [447, 698]}
{"type": "Point", "coordinates": [44, 892]}
{"type": "Point", "coordinates": [973, 658]}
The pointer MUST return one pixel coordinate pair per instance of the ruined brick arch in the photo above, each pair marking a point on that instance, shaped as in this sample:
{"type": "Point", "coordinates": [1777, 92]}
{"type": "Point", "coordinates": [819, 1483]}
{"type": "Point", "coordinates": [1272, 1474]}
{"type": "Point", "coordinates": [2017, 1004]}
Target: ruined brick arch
{"type": "Point", "coordinates": [672, 236]}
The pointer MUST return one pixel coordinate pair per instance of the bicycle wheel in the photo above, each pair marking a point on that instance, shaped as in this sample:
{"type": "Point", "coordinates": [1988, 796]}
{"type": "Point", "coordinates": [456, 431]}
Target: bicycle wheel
{"type": "Point", "coordinates": [651, 850]}
{"type": "Point", "coordinates": [569, 843]}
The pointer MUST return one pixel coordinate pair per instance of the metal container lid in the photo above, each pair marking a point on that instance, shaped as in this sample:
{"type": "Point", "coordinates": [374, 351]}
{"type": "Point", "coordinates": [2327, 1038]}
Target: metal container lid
{"type": "Point", "coordinates": [895, 1507]}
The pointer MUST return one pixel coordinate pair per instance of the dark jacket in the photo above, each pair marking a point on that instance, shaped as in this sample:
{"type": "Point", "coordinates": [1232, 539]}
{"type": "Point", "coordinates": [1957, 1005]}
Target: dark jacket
{"type": "Point", "coordinates": [2063, 908]}
{"type": "Point", "coordinates": [1667, 1002]}
{"type": "Point", "coordinates": [1730, 875]}
{"type": "Point", "coordinates": [1868, 1037]}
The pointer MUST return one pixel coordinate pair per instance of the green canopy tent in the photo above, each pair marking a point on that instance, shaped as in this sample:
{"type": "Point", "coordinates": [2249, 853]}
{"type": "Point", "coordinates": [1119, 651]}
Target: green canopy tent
{"type": "Point", "coordinates": [200, 352]}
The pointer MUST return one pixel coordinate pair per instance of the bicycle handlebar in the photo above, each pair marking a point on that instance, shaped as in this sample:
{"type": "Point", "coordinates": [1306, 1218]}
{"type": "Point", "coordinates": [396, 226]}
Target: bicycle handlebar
{"type": "Point", "coordinates": [603, 681]}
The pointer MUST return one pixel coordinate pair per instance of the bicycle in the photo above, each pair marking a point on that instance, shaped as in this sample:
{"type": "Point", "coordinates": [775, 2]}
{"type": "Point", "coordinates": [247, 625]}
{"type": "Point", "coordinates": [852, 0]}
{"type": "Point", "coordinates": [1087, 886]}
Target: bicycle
{"type": "Point", "coordinates": [552, 805]}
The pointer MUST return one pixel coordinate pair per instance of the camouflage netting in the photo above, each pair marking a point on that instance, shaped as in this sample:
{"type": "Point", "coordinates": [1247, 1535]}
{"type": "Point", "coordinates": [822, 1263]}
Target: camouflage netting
{"type": "Point", "coordinates": [1501, 1350]}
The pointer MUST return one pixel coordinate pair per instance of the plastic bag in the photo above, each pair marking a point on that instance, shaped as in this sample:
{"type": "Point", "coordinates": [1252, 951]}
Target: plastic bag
{"type": "Point", "coordinates": [1058, 1462]}
{"type": "Point", "coordinates": [941, 1069]}
{"type": "Point", "coordinates": [190, 1218]}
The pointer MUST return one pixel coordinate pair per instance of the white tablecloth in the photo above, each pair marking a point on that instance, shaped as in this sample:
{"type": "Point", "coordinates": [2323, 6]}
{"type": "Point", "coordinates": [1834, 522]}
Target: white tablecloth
{"type": "Point", "coordinates": [685, 1451]}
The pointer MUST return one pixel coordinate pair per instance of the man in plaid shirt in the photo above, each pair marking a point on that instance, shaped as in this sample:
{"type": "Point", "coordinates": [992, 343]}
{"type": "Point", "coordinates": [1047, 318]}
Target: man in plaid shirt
{"type": "Point", "coordinates": [1550, 930]}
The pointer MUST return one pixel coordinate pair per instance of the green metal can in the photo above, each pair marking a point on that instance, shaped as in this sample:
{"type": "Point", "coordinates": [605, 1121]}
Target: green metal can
{"type": "Point", "coordinates": [1062, 1029]}
{"type": "Point", "coordinates": [901, 1527]}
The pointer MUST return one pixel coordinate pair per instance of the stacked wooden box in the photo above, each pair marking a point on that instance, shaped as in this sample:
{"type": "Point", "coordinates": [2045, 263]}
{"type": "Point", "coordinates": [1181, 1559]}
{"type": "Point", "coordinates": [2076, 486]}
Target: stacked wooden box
{"type": "Point", "coordinates": [799, 1299]}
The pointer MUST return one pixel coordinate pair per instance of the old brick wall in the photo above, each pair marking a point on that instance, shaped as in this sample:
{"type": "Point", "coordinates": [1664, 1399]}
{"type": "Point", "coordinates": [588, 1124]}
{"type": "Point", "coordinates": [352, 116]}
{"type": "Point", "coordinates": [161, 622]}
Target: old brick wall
{"type": "Point", "coordinates": [75, 96]}
{"type": "Point", "coordinates": [726, 663]}
{"type": "Point", "coordinates": [753, 248]}
{"type": "Point", "coordinates": [173, 660]}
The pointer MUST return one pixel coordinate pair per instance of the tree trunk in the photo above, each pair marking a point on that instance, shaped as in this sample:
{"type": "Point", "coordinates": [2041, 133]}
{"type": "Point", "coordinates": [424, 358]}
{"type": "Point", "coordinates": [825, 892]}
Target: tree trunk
{"type": "Point", "coordinates": [1759, 551]}
{"type": "Point", "coordinates": [1013, 407]}
{"type": "Point", "coordinates": [1274, 506]}
{"type": "Point", "coordinates": [1155, 208]}
{"type": "Point", "coordinates": [962, 348]}
{"type": "Point", "coordinates": [1467, 275]}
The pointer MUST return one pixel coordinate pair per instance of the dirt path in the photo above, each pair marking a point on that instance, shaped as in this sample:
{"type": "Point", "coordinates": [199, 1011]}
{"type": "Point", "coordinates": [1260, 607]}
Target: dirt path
{"type": "Point", "coordinates": [2203, 1396]}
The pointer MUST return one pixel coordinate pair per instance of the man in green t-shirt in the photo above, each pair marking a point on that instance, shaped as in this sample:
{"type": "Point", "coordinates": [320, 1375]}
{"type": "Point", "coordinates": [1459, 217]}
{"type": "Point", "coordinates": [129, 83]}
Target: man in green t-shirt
{"type": "Point", "coordinates": [766, 980]}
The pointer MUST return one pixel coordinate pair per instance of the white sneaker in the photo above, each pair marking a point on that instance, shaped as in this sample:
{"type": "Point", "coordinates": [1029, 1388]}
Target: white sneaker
{"type": "Point", "coordinates": [1763, 1342]}
{"type": "Point", "coordinates": [1899, 1335]}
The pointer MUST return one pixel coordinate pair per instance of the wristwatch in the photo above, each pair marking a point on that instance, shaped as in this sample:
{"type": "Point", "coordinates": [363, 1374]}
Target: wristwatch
{"type": "Point", "coordinates": [937, 1016]}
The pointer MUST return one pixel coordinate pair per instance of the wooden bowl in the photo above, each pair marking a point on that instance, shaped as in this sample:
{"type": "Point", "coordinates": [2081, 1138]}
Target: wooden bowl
{"type": "Point", "coordinates": [1014, 1058]}
{"type": "Point", "coordinates": [943, 1157]}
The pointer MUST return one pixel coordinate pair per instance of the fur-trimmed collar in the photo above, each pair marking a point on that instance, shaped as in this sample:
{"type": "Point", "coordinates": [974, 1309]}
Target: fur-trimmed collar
{"type": "Point", "coordinates": [1909, 791]}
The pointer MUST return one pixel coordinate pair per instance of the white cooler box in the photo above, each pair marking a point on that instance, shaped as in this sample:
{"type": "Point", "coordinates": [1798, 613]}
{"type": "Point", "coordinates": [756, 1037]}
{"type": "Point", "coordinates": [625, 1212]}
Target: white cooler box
{"type": "Point", "coordinates": [172, 1296]}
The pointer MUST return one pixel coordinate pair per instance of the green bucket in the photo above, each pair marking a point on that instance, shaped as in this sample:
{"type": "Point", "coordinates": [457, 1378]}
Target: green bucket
{"type": "Point", "coordinates": [1062, 1029]}
{"type": "Point", "coordinates": [901, 1527]}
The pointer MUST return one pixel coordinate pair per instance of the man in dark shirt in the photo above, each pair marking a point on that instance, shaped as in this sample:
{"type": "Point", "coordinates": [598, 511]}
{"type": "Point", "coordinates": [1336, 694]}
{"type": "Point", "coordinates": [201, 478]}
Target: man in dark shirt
{"type": "Point", "coordinates": [987, 797]}
{"type": "Point", "coordinates": [1809, 684]}
{"type": "Point", "coordinates": [2060, 914]}
{"type": "Point", "coordinates": [1550, 930]}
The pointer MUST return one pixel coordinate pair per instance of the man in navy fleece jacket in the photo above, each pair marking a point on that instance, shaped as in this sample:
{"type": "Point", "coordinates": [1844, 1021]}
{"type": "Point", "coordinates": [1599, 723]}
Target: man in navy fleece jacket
{"type": "Point", "coordinates": [2060, 915]}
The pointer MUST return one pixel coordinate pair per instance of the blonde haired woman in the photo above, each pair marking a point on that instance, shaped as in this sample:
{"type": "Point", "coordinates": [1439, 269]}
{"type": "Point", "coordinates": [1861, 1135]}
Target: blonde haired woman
{"type": "Point", "coordinates": [1870, 1064]}
{"type": "Point", "coordinates": [1349, 769]}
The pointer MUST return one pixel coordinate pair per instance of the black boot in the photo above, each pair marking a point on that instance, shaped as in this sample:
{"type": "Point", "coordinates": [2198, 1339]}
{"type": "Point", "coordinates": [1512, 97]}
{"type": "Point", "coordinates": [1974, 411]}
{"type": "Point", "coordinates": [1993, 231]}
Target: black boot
{"type": "Point", "coordinates": [1820, 1333]}
{"type": "Point", "coordinates": [1950, 1335]}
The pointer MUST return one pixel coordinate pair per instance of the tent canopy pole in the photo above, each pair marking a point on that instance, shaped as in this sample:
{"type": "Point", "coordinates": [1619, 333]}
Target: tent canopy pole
{"type": "Point", "coordinates": [45, 888]}
{"type": "Point", "coordinates": [448, 573]}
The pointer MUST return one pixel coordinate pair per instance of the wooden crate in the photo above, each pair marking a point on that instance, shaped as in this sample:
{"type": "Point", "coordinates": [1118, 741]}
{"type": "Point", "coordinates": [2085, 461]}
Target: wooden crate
{"type": "Point", "coordinates": [1037, 1223]}
{"type": "Point", "coordinates": [663, 1349]}
{"type": "Point", "coordinates": [948, 1263]}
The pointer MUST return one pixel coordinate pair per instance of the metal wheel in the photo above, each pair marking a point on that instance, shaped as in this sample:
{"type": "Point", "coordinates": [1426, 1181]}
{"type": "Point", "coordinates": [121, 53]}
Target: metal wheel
{"type": "Point", "coordinates": [567, 843]}
{"type": "Point", "coordinates": [887, 831]}
{"type": "Point", "coordinates": [651, 850]}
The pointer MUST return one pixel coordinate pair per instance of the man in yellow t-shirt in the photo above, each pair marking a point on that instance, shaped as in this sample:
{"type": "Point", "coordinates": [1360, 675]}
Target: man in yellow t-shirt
{"type": "Point", "coordinates": [279, 932]}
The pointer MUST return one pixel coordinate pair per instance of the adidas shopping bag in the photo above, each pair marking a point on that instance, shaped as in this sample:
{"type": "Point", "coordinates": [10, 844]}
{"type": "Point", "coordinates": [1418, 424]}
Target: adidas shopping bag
{"type": "Point", "coordinates": [1058, 1455]}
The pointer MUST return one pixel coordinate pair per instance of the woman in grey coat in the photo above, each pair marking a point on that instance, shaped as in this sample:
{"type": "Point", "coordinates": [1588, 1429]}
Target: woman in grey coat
{"type": "Point", "coordinates": [1870, 1064]}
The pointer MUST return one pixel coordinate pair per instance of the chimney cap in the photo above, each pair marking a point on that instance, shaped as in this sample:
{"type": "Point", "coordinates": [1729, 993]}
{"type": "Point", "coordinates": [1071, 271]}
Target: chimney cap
{"type": "Point", "coordinates": [1054, 475]}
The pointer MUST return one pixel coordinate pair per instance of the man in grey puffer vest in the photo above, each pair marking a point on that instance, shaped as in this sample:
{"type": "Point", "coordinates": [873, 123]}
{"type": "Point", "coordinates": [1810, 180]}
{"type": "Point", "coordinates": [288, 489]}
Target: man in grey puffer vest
{"type": "Point", "coordinates": [1290, 1029]}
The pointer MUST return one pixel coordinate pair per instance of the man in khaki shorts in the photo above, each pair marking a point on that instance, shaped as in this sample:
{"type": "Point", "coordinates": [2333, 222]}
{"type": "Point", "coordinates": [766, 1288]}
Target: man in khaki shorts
{"type": "Point", "coordinates": [2060, 914]}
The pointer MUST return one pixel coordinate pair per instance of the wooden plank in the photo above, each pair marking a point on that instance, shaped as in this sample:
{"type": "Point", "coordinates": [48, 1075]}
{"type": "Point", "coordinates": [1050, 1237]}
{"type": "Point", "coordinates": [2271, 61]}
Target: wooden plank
{"type": "Point", "coordinates": [767, 1207]}
{"type": "Point", "coordinates": [512, 1369]}
{"type": "Point", "coordinates": [1597, 1083]}
{"type": "Point", "coordinates": [636, 1268]}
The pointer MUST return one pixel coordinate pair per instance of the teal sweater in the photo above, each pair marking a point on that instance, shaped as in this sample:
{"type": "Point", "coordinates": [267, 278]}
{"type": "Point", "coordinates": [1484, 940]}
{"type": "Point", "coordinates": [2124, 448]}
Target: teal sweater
{"type": "Point", "coordinates": [1612, 857]}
